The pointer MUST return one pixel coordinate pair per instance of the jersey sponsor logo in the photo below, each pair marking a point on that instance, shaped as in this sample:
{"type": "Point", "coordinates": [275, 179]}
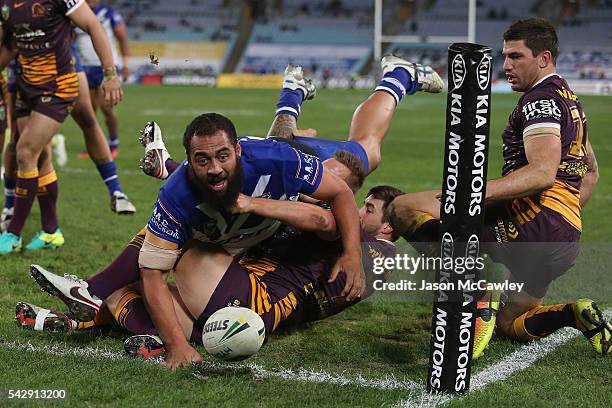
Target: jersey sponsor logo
{"type": "Point", "coordinates": [161, 225]}
{"type": "Point", "coordinates": [5, 12]}
{"type": "Point", "coordinates": [71, 3]}
{"type": "Point", "coordinates": [458, 71]}
{"type": "Point", "coordinates": [542, 108]}
{"type": "Point", "coordinates": [308, 167]}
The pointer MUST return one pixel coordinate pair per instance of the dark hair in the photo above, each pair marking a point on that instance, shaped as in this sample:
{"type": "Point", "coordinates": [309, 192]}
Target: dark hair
{"type": "Point", "coordinates": [386, 194]}
{"type": "Point", "coordinates": [538, 33]}
{"type": "Point", "coordinates": [353, 163]}
{"type": "Point", "coordinates": [207, 124]}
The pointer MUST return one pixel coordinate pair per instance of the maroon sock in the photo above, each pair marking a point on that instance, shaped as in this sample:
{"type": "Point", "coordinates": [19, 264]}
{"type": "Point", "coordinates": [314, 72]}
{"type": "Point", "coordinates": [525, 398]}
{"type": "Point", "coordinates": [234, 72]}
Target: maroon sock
{"type": "Point", "coordinates": [171, 165]}
{"type": "Point", "coordinates": [47, 199]}
{"type": "Point", "coordinates": [25, 192]}
{"type": "Point", "coordinates": [122, 271]}
{"type": "Point", "coordinates": [131, 313]}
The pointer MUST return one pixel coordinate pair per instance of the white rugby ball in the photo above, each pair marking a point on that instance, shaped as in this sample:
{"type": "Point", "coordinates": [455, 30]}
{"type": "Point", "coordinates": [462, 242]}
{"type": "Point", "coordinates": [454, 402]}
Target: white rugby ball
{"type": "Point", "coordinates": [233, 333]}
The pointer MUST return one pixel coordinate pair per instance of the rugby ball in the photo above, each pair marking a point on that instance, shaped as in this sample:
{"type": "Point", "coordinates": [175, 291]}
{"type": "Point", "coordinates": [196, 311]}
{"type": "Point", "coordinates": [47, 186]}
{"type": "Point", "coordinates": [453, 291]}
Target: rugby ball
{"type": "Point", "coordinates": [233, 333]}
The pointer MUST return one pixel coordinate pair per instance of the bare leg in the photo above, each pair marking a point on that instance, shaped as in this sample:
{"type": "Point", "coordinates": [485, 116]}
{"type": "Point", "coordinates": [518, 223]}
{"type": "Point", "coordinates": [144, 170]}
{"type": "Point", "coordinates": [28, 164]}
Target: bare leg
{"type": "Point", "coordinates": [518, 303]}
{"type": "Point", "coordinates": [85, 116]}
{"type": "Point", "coordinates": [283, 126]}
{"type": "Point", "coordinates": [110, 114]}
{"type": "Point", "coordinates": [370, 124]}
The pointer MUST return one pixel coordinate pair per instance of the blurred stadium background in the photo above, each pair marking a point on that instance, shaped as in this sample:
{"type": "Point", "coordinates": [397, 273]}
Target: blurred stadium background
{"type": "Point", "coordinates": [221, 42]}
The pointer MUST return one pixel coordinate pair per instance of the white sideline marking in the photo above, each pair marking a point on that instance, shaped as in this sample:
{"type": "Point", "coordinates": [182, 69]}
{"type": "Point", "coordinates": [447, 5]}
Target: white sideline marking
{"type": "Point", "coordinates": [519, 360]}
{"type": "Point", "coordinates": [78, 170]}
{"type": "Point", "coordinates": [300, 374]}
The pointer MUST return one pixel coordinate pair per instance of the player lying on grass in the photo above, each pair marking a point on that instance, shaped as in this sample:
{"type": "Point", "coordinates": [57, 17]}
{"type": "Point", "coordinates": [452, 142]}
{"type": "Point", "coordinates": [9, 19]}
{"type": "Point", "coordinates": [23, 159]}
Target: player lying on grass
{"type": "Point", "coordinates": [350, 160]}
{"type": "Point", "coordinates": [285, 279]}
{"type": "Point", "coordinates": [532, 217]}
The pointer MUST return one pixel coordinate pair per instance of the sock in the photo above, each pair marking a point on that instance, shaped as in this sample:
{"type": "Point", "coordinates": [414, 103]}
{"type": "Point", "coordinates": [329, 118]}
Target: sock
{"type": "Point", "coordinates": [132, 314]}
{"type": "Point", "coordinates": [196, 334]}
{"type": "Point", "coordinates": [543, 320]}
{"type": "Point", "coordinates": [122, 271]}
{"type": "Point", "coordinates": [171, 166]}
{"type": "Point", "coordinates": [47, 199]}
{"type": "Point", "coordinates": [108, 171]}
{"type": "Point", "coordinates": [289, 102]}
{"type": "Point", "coordinates": [9, 191]}
{"type": "Point", "coordinates": [397, 83]}
{"type": "Point", "coordinates": [25, 192]}
{"type": "Point", "coordinates": [113, 141]}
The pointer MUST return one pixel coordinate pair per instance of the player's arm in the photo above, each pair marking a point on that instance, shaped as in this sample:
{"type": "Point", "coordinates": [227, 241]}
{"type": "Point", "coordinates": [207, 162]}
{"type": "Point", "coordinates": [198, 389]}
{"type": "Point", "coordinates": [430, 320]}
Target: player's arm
{"type": "Point", "coordinates": [85, 19]}
{"type": "Point", "coordinates": [336, 192]}
{"type": "Point", "coordinates": [120, 33]}
{"type": "Point", "coordinates": [543, 151]}
{"type": "Point", "coordinates": [303, 216]}
{"type": "Point", "coordinates": [589, 181]}
{"type": "Point", "coordinates": [156, 258]}
{"type": "Point", "coordinates": [7, 53]}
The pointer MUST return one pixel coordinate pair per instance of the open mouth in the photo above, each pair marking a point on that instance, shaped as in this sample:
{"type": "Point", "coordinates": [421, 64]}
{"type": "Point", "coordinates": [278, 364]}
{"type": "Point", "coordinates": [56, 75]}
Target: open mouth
{"type": "Point", "coordinates": [218, 186]}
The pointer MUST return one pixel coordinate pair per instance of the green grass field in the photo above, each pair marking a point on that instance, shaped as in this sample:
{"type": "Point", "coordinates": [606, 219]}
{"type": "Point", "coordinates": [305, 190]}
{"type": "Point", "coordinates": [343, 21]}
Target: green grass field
{"type": "Point", "coordinates": [370, 355]}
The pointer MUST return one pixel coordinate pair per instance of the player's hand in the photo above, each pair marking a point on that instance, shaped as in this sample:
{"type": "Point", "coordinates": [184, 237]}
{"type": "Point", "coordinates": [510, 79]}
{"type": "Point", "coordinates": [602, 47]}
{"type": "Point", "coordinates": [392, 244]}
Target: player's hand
{"type": "Point", "coordinates": [310, 132]}
{"type": "Point", "coordinates": [125, 72]}
{"type": "Point", "coordinates": [350, 264]}
{"type": "Point", "coordinates": [181, 356]}
{"type": "Point", "coordinates": [112, 91]}
{"type": "Point", "coordinates": [242, 204]}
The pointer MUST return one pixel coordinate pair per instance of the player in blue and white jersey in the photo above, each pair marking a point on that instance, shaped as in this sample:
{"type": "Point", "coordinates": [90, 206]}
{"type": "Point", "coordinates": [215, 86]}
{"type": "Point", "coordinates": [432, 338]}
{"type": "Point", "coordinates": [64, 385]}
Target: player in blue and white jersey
{"type": "Point", "coordinates": [115, 29]}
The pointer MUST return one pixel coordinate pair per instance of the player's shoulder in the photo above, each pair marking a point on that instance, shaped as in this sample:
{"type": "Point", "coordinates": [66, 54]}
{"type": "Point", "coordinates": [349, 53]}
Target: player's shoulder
{"type": "Point", "coordinates": [177, 191]}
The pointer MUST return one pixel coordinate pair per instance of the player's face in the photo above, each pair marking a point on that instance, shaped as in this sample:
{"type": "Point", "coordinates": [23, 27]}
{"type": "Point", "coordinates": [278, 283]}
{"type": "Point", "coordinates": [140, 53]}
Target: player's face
{"type": "Point", "coordinates": [371, 215]}
{"type": "Point", "coordinates": [522, 69]}
{"type": "Point", "coordinates": [215, 162]}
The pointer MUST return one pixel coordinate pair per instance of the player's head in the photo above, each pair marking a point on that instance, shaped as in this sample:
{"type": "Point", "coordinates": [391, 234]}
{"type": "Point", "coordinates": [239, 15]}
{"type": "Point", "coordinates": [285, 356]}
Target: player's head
{"type": "Point", "coordinates": [213, 154]}
{"type": "Point", "coordinates": [531, 47]}
{"type": "Point", "coordinates": [348, 167]}
{"type": "Point", "coordinates": [373, 215]}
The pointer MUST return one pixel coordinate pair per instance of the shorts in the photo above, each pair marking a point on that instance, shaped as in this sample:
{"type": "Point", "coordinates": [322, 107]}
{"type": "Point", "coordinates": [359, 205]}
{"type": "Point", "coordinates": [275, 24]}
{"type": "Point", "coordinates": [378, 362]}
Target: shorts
{"type": "Point", "coordinates": [30, 98]}
{"type": "Point", "coordinates": [536, 252]}
{"type": "Point", "coordinates": [279, 300]}
{"type": "Point", "coordinates": [325, 149]}
{"type": "Point", "coordinates": [95, 75]}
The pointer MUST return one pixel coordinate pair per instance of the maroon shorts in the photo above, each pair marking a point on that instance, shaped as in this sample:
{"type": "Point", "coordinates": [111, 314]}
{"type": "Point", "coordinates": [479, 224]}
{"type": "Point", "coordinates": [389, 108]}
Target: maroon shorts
{"type": "Point", "coordinates": [536, 252]}
{"type": "Point", "coordinates": [280, 297]}
{"type": "Point", "coordinates": [32, 98]}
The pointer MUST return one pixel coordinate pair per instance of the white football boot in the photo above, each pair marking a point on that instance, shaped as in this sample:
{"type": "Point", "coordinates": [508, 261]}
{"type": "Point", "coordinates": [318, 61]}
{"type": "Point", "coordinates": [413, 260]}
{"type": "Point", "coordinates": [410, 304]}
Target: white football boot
{"type": "Point", "coordinates": [294, 79]}
{"type": "Point", "coordinates": [120, 203]}
{"type": "Point", "coordinates": [37, 318]}
{"type": "Point", "coordinates": [154, 161]}
{"type": "Point", "coordinates": [427, 80]}
{"type": "Point", "coordinates": [71, 290]}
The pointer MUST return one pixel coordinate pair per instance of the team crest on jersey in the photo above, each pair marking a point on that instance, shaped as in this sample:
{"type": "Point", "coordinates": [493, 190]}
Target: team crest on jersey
{"type": "Point", "coordinates": [5, 12]}
{"type": "Point", "coordinates": [2, 113]}
{"type": "Point", "coordinates": [45, 99]}
{"type": "Point", "coordinates": [38, 10]}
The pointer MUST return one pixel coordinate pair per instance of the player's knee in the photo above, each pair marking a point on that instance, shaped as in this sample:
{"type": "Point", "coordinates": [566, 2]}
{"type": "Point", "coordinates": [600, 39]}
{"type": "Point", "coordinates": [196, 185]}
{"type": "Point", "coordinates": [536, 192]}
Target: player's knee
{"type": "Point", "coordinates": [27, 154]}
{"type": "Point", "coordinates": [505, 326]}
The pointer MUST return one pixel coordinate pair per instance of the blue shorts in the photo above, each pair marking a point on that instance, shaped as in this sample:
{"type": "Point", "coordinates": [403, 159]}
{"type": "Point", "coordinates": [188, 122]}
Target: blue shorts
{"type": "Point", "coordinates": [325, 149]}
{"type": "Point", "coordinates": [95, 75]}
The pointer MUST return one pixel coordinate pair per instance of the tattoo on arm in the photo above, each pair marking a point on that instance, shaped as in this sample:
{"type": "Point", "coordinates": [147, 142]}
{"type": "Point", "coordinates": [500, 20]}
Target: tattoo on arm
{"type": "Point", "coordinates": [283, 126]}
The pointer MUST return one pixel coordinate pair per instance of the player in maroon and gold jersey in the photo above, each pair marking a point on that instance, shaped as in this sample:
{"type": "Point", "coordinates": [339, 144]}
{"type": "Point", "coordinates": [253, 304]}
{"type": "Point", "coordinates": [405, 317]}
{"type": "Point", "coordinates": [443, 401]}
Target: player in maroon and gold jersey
{"type": "Point", "coordinates": [532, 217]}
{"type": "Point", "coordinates": [39, 32]}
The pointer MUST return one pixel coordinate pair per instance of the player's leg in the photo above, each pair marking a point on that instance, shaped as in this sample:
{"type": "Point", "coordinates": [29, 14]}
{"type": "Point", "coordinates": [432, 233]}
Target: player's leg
{"type": "Point", "coordinates": [110, 119]}
{"type": "Point", "coordinates": [97, 147]}
{"type": "Point", "coordinates": [50, 236]}
{"type": "Point", "coordinates": [84, 297]}
{"type": "Point", "coordinates": [372, 118]}
{"type": "Point", "coordinates": [35, 133]}
{"type": "Point", "coordinates": [296, 89]}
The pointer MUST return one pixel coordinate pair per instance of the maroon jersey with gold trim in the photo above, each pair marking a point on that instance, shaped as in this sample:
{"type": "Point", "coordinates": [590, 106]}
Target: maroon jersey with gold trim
{"type": "Point", "coordinates": [41, 31]}
{"type": "Point", "coordinates": [549, 104]}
